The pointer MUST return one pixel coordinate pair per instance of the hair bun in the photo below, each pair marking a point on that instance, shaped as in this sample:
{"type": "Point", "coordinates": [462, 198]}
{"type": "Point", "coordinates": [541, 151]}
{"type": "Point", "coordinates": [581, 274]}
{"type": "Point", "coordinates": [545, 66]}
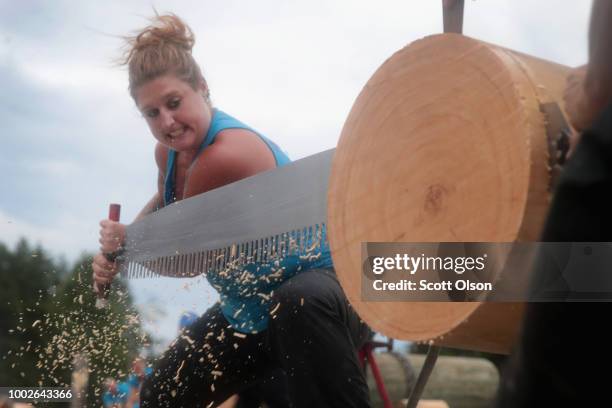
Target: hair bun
{"type": "Point", "coordinates": [163, 47]}
{"type": "Point", "coordinates": [165, 29]}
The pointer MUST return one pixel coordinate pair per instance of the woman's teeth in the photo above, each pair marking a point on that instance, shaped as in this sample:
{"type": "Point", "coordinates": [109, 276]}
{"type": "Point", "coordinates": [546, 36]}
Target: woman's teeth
{"type": "Point", "coordinates": [176, 133]}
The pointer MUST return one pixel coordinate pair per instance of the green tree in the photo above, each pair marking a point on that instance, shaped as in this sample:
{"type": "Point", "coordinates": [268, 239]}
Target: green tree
{"type": "Point", "coordinates": [28, 277]}
{"type": "Point", "coordinates": [108, 338]}
{"type": "Point", "coordinates": [48, 318]}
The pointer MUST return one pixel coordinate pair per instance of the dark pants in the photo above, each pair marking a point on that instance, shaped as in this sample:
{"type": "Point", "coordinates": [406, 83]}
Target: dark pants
{"type": "Point", "coordinates": [313, 338]}
{"type": "Point", "coordinates": [270, 392]}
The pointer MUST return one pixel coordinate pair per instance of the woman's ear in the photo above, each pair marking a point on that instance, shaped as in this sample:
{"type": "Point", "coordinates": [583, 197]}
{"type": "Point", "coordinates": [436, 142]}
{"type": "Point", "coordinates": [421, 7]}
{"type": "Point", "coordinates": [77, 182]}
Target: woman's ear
{"type": "Point", "coordinates": [204, 91]}
{"type": "Point", "coordinates": [203, 87]}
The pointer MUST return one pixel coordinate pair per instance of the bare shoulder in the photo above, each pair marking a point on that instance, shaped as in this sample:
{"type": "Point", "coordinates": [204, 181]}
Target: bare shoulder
{"type": "Point", "coordinates": [236, 154]}
{"type": "Point", "coordinates": [242, 149]}
{"type": "Point", "coordinates": [245, 144]}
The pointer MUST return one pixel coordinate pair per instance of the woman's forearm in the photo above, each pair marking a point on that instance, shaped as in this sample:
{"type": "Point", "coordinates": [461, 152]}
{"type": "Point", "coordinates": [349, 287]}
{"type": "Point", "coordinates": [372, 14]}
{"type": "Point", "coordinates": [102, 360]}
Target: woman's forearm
{"type": "Point", "coordinates": [153, 204]}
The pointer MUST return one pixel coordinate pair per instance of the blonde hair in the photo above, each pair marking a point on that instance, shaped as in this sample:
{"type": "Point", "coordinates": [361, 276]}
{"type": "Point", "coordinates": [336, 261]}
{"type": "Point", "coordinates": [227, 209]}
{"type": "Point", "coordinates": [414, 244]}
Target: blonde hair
{"type": "Point", "coordinates": [163, 47]}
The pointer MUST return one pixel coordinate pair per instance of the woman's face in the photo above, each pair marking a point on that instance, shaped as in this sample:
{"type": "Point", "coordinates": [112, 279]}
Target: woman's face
{"type": "Point", "coordinates": [177, 115]}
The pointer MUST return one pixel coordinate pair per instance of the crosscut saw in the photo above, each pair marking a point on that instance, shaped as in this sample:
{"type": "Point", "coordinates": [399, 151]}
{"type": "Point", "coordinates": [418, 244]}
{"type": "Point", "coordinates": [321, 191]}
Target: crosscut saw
{"type": "Point", "coordinates": [257, 219]}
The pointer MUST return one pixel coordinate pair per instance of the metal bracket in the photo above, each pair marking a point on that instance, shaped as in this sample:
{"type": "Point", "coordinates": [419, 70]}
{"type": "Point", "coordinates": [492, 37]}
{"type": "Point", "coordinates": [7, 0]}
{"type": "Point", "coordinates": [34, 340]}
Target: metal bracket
{"type": "Point", "coordinates": [452, 16]}
{"type": "Point", "coordinates": [428, 366]}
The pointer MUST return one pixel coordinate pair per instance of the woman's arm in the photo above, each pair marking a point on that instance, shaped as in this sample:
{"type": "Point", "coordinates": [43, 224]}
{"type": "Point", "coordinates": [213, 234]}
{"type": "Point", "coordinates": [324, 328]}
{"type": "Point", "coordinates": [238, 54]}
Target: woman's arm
{"type": "Point", "coordinates": [112, 234]}
{"type": "Point", "coordinates": [598, 81]}
{"type": "Point", "coordinates": [156, 202]}
{"type": "Point", "coordinates": [236, 154]}
{"type": "Point", "coordinates": [589, 88]}
{"type": "Point", "coordinates": [153, 205]}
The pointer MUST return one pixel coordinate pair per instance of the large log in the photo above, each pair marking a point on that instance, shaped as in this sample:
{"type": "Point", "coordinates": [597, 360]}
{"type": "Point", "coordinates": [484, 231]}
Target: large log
{"type": "Point", "coordinates": [446, 142]}
{"type": "Point", "coordinates": [462, 382]}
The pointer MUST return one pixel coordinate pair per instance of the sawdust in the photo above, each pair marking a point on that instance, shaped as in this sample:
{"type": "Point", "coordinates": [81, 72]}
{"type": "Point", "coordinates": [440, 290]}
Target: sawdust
{"type": "Point", "coordinates": [178, 372]}
{"type": "Point", "coordinates": [75, 328]}
{"type": "Point", "coordinates": [73, 336]}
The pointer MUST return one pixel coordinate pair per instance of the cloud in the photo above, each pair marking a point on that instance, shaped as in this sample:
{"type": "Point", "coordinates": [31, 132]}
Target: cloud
{"type": "Point", "coordinates": [73, 141]}
{"type": "Point", "coordinates": [67, 240]}
{"type": "Point", "coordinates": [544, 28]}
{"type": "Point", "coordinates": [66, 149]}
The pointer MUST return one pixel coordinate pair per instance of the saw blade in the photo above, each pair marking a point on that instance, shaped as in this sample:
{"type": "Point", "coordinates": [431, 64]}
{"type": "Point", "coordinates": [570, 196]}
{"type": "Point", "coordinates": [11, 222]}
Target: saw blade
{"type": "Point", "coordinates": [252, 220]}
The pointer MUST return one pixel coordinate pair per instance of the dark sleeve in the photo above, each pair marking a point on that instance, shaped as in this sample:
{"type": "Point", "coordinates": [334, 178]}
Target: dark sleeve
{"type": "Point", "coordinates": [581, 204]}
{"type": "Point", "coordinates": [564, 346]}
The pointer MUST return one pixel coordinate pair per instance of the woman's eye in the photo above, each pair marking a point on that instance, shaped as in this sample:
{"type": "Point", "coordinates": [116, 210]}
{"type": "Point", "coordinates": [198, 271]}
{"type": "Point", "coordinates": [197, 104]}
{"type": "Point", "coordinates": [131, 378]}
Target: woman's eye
{"type": "Point", "coordinates": [174, 103]}
{"type": "Point", "coordinates": [152, 113]}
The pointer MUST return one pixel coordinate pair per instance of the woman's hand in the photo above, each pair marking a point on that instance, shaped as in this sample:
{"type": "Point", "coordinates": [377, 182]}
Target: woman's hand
{"type": "Point", "coordinates": [112, 236]}
{"type": "Point", "coordinates": [104, 271]}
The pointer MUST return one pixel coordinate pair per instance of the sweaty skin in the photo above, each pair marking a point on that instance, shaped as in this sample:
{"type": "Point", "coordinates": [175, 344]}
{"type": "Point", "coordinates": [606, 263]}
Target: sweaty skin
{"type": "Point", "coordinates": [178, 117]}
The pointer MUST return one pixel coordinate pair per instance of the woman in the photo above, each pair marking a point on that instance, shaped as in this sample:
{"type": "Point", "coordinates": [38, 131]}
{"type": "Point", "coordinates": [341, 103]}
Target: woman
{"type": "Point", "coordinates": [313, 334]}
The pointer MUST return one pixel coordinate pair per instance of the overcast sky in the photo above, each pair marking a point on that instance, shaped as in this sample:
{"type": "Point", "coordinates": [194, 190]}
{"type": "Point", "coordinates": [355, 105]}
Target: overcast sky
{"type": "Point", "coordinates": [72, 140]}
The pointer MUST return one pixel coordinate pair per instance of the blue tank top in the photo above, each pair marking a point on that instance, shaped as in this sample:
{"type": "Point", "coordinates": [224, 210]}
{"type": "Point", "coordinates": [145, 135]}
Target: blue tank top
{"type": "Point", "coordinates": [246, 292]}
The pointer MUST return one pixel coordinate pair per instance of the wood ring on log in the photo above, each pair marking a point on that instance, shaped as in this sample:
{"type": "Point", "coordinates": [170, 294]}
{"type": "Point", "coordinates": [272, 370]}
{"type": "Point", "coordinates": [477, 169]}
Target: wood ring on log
{"type": "Point", "coordinates": [445, 143]}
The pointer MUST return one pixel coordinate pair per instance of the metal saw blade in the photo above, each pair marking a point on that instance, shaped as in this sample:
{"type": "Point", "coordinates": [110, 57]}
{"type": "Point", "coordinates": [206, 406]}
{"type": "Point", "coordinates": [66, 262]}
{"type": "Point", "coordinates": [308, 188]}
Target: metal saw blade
{"type": "Point", "coordinates": [253, 219]}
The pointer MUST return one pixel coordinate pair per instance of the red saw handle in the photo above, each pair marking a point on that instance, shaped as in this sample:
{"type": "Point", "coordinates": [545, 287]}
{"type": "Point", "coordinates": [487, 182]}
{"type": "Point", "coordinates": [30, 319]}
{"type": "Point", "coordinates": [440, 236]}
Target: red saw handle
{"type": "Point", "coordinates": [114, 214]}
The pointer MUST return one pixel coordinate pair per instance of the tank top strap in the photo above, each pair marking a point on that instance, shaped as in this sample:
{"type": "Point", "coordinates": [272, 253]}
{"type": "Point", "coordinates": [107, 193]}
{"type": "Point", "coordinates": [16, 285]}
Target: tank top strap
{"type": "Point", "coordinates": [218, 122]}
{"type": "Point", "coordinates": [169, 193]}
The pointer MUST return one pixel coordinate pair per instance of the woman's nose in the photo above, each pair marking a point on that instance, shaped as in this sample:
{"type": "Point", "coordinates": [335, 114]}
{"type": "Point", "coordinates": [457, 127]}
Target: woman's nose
{"type": "Point", "coordinates": [166, 119]}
